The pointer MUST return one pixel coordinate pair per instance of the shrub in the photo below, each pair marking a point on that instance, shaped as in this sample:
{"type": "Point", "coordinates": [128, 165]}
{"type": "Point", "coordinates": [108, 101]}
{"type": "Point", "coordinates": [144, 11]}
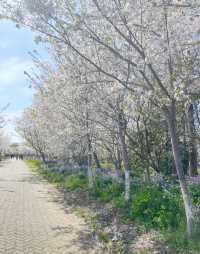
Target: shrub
{"type": "Point", "coordinates": [75, 182]}
{"type": "Point", "coordinates": [156, 207]}
{"type": "Point", "coordinates": [195, 193]}
{"type": "Point", "coordinates": [123, 207]}
{"type": "Point", "coordinates": [120, 202]}
{"type": "Point", "coordinates": [106, 189]}
{"type": "Point", "coordinates": [53, 177]}
{"type": "Point", "coordinates": [179, 243]}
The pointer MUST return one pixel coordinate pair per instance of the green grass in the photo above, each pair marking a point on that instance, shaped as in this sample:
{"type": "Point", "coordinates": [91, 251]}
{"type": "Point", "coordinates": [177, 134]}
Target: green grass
{"type": "Point", "coordinates": [33, 163]}
{"type": "Point", "coordinates": [178, 241]}
{"type": "Point", "coordinates": [68, 182]}
{"type": "Point", "coordinates": [74, 182]}
{"type": "Point", "coordinates": [106, 190]}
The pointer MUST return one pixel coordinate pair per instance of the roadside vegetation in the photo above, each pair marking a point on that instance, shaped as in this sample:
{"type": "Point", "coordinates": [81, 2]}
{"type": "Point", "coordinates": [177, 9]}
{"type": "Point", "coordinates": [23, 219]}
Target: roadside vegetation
{"type": "Point", "coordinates": [152, 208]}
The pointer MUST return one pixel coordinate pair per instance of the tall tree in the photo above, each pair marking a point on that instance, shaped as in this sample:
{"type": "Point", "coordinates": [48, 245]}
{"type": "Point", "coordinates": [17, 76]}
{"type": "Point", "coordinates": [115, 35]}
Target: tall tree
{"type": "Point", "coordinates": [148, 47]}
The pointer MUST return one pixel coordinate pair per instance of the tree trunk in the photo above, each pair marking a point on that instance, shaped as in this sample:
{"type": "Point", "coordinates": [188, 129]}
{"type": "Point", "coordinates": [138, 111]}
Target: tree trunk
{"type": "Point", "coordinates": [117, 164]}
{"type": "Point", "coordinates": [171, 118]}
{"type": "Point", "coordinates": [193, 165]}
{"type": "Point", "coordinates": [89, 170]}
{"type": "Point", "coordinates": [127, 184]}
{"type": "Point", "coordinates": [119, 160]}
{"type": "Point", "coordinates": [124, 156]}
{"type": "Point", "coordinates": [43, 157]}
{"type": "Point", "coordinates": [174, 172]}
{"type": "Point", "coordinates": [96, 159]}
{"type": "Point", "coordinates": [90, 175]}
{"type": "Point", "coordinates": [89, 155]}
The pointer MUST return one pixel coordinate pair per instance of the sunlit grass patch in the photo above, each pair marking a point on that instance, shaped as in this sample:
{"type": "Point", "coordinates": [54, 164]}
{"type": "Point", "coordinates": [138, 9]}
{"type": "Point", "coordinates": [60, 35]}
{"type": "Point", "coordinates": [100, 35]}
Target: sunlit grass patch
{"type": "Point", "coordinates": [33, 163]}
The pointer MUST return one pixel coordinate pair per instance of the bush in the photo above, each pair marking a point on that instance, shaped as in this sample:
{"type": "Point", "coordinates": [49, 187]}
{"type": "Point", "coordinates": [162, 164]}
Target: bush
{"type": "Point", "coordinates": [152, 206]}
{"type": "Point", "coordinates": [120, 202]}
{"type": "Point", "coordinates": [195, 193]}
{"type": "Point", "coordinates": [75, 182]}
{"type": "Point", "coordinates": [156, 207]}
{"type": "Point", "coordinates": [53, 177]}
{"type": "Point", "coordinates": [106, 189]}
{"type": "Point", "coordinates": [179, 242]}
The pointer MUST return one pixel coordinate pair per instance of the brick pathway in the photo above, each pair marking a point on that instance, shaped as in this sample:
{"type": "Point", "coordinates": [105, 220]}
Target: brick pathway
{"type": "Point", "coordinates": [32, 218]}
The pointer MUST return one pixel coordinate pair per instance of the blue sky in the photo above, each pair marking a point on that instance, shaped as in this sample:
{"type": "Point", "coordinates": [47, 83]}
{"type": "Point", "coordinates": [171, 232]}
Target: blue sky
{"type": "Point", "coordinates": [14, 60]}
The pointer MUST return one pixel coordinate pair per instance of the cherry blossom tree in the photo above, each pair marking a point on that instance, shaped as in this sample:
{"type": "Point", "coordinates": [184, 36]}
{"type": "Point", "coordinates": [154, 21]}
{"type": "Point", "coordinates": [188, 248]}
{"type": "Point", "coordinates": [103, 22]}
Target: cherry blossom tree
{"type": "Point", "coordinates": [151, 48]}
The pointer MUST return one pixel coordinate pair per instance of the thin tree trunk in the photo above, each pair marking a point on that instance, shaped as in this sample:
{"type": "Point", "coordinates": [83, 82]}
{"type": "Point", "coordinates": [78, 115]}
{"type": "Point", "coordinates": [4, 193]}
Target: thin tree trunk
{"type": "Point", "coordinates": [89, 170]}
{"type": "Point", "coordinates": [119, 160]}
{"type": "Point", "coordinates": [89, 155]}
{"type": "Point", "coordinates": [124, 156]}
{"type": "Point", "coordinates": [117, 170]}
{"type": "Point", "coordinates": [117, 164]}
{"type": "Point", "coordinates": [127, 184]}
{"type": "Point", "coordinates": [193, 164]}
{"type": "Point", "coordinates": [114, 160]}
{"type": "Point", "coordinates": [43, 157]}
{"type": "Point", "coordinates": [174, 172]}
{"type": "Point", "coordinates": [96, 159]}
{"type": "Point", "coordinates": [171, 117]}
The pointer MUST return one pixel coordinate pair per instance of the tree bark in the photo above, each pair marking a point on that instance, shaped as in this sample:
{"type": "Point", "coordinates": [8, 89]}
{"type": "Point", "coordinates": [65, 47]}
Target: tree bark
{"type": "Point", "coordinates": [89, 155]}
{"type": "Point", "coordinates": [127, 184]}
{"type": "Point", "coordinates": [43, 158]}
{"type": "Point", "coordinates": [124, 155]}
{"type": "Point", "coordinates": [193, 164]}
{"type": "Point", "coordinates": [96, 159]}
{"type": "Point", "coordinates": [171, 118]}
{"type": "Point", "coordinates": [89, 170]}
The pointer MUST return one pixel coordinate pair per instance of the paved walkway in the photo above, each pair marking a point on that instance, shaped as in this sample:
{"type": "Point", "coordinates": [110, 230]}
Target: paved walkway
{"type": "Point", "coordinates": [32, 217]}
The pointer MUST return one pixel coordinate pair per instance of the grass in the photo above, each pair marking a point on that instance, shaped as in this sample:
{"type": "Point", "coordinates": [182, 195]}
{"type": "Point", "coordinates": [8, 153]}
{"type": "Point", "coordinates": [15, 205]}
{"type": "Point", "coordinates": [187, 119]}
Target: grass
{"type": "Point", "coordinates": [35, 164]}
{"type": "Point", "coordinates": [179, 242]}
{"type": "Point", "coordinates": [68, 182]}
{"type": "Point", "coordinates": [74, 182]}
